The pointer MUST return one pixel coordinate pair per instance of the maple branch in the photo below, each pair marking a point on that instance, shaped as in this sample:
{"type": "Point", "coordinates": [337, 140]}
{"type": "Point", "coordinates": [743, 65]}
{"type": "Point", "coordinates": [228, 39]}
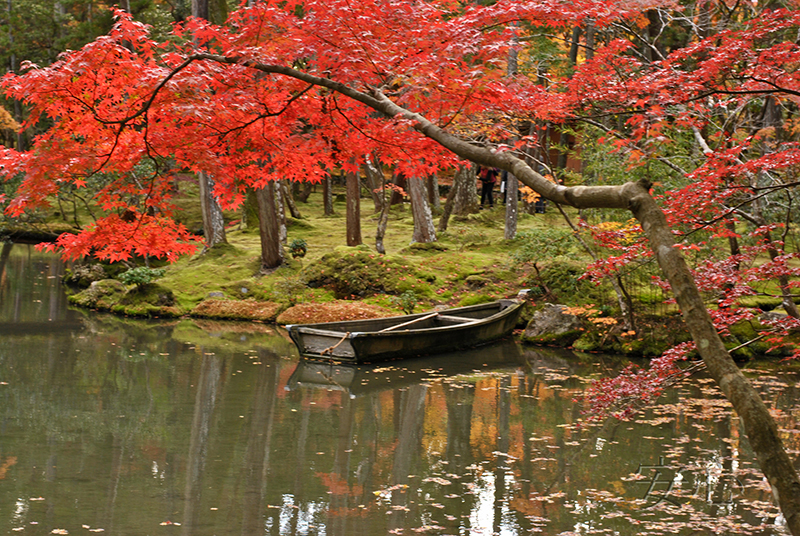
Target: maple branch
{"type": "Point", "coordinates": [224, 133]}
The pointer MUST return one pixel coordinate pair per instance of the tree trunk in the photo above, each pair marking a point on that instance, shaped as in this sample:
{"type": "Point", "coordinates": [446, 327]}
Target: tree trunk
{"type": "Point", "coordinates": [269, 229]}
{"type": "Point", "coordinates": [432, 187]}
{"type": "Point", "coordinates": [289, 200]}
{"type": "Point", "coordinates": [466, 196]}
{"type": "Point", "coordinates": [213, 221]}
{"type": "Point", "coordinates": [424, 230]}
{"type": "Point", "coordinates": [383, 221]}
{"type": "Point", "coordinates": [305, 192]}
{"type": "Point", "coordinates": [375, 182]}
{"type": "Point", "coordinates": [758, 423]}
{"type": "Point", "coordinates": [353, 209]}
{"type": "Point", "coordinates": [512, 208]}
{"type": "Point", "coordinates": [281, 211]}
{"type": "Point", "coordinates": [399, 180]}
{"type": "Point", "coordinates": [327, 195]}
{"type": "Point", "coordinates": [448, 208]}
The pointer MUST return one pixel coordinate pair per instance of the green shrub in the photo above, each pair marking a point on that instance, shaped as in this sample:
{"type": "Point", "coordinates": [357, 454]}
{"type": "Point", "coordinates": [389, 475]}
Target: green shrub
{"type": "Point", "coordinates": [141, 276]}
{"type": "Point", "coordinates": [298, 248]}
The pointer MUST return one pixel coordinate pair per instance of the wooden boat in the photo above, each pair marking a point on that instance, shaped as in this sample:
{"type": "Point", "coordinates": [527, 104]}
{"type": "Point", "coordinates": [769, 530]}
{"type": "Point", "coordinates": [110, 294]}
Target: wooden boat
{"type": "Point", "coordinates": [382, 339]}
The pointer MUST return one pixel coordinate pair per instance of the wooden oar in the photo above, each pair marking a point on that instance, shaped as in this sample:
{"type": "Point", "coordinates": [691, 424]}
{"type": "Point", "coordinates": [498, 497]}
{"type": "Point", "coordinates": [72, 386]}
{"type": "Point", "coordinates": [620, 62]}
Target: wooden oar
{"type": "Point", "coordinates": [404, 324]}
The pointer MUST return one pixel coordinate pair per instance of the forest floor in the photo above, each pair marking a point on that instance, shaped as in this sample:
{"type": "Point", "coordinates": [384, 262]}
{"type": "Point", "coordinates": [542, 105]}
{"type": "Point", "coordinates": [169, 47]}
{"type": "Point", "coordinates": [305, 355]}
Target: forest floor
{"type": "Point", "coordinates": [469, 263]}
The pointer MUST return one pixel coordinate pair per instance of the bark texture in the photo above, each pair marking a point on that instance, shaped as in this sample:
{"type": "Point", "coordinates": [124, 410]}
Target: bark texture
{"type": "Point", "coordinates": [424, 230]}
{"type": "Point", "coordinates": [512, 207]}
{"type": "Point", "coordinates": [353, 209]}
{"type": "Point", "coordinates": [213, 221]}
{"type": "Point", "coordinates": [269, 229]}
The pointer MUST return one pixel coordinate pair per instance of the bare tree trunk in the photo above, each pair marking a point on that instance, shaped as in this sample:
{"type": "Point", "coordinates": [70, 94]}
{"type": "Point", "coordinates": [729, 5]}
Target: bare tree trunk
{"type": "Point", "coordinates": [383, 222]}
{"type": "Point", "coordinates": [288, 199]}
{"type": "Point", "coordinates": [424, 230]}
{"type": "Point", "coordinates": [448, 208]}
{"type": "Point", "coordinates": [281, 211]}
{"type": "Point", "coordinates": [213, 221]}
{"type": "Point", "coordinates": [327, 195]}
{"type": "Point", "coordinates": [398, 179]}
{"type": "Point", "coordinates": [466, 196]}
{"type": "Point", "coordinates": [432, 187]}
{"type": "Point", "coordinates": [353, 209]}
{"type": "Point", "coordinates": [375, 181]}
{"type": "Point", "coordinates": [512, 207]}
{"type": "Point", "coordinates": [269, 229]}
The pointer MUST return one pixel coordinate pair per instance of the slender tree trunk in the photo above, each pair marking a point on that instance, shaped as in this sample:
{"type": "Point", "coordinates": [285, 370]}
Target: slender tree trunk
{"type": "Point", "coordinates": [305, 192]}
{"type": "Point", "coordinates": [761, 429]}
{"type": "Point", "coordinates": [213, 221]}
{"type": "Point", "coordinates": [269, 229]}
{"type": "Point", "coordinates": [280, 207]}
{"type": "Point", "coordinates": [383, 219]}
{"type": "Point", "coordinates": [353, 208]}
{"type": "Point", "coordinates": [327, 195]}
{"type": "Point", "coordinates": [512, 207]}
{"type": "Point", "coordinates": [424, 230]}
{"type": "Point", "coordinates": [448, 208]}
{"type": "Point", "coordinates": [288, 199]}
{"type": "Point", "coordinates": [432, 187]}
{"type": "Point", "coordinates": [375, 182]}
{"type": "Point", "coordinates": [466, 196]}
{"type": "Point", "coordinates": [399, 180]}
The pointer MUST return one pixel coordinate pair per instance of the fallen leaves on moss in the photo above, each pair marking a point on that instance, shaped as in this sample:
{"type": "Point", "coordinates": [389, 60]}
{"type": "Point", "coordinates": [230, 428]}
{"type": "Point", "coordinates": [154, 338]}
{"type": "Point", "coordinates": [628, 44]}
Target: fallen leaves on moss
{"type": "Point", "coordinates": [335, 311]}
{"type": "Point", "coordinates": [237, 309]}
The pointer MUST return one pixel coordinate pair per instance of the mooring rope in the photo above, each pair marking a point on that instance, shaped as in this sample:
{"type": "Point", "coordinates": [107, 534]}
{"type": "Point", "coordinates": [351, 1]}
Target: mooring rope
{"type": "Point", "coordinates": [332, 348]}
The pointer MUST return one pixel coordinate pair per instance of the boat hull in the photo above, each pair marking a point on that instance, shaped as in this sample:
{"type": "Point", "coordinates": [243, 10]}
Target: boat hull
{"type": "Point", "coordinates": [383, 339]}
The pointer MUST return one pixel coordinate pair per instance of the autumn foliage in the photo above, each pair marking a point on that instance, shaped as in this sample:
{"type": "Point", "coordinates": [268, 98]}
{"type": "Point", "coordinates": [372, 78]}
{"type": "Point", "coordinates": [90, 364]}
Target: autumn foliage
{"type": "Point", "coordinates": [286, 90]}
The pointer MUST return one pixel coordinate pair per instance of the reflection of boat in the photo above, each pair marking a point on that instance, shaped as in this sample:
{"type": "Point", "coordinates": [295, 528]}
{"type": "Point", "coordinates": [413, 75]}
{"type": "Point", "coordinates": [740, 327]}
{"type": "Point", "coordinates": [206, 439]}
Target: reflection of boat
{"type": "Point", "coordinates": [362, 379]}
{"type": "Point", "coordinates": [381, 339]}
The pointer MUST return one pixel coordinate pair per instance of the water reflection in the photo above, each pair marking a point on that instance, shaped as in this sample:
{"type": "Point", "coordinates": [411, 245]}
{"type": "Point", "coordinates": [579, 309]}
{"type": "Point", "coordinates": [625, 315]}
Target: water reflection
{"type": "Point", "coordinates": [139, 427]}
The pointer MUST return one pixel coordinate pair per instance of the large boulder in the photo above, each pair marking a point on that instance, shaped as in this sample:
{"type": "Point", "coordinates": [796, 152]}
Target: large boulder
{"type": "Point", "coordinates": [554, 325]}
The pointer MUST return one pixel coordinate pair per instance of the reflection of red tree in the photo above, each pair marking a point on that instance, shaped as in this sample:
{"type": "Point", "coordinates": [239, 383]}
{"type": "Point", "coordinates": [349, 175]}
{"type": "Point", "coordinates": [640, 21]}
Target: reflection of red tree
{"type": "Point", "coordinates": [338, 486]}
{"type": "Point", "coordinates": [11, 460]}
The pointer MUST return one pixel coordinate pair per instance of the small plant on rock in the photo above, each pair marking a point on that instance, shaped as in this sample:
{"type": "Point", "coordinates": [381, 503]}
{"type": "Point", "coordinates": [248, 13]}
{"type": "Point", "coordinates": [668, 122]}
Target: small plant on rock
{"type": "Point", "coordinates": [298, 248]}
{"type": "Point", "coordinates": [407, 301]}
{"type": "Point", "coordinates": [141, 276]}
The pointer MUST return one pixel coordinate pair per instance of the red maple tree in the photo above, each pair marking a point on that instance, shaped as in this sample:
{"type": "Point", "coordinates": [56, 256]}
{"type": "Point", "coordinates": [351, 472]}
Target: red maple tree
{"type": "Point", "coordinates": [290, 89]}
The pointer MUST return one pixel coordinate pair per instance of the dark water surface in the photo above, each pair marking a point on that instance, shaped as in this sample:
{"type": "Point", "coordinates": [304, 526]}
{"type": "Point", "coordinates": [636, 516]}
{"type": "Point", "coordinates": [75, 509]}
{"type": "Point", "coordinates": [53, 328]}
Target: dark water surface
{"type": "Point", "coordinates": [132, 427]}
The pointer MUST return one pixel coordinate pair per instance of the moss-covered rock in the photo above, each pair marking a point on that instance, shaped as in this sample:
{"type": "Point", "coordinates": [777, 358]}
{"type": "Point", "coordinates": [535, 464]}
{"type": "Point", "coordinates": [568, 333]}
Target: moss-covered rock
{"type": "Point", "coordinates": [100, 294]}
{"type": "Point", "coordinates": [358, 271]}
{"type": "Point", "coordinates": [83, 275]}
{"type": "Point", "coordinates": [112, 295]}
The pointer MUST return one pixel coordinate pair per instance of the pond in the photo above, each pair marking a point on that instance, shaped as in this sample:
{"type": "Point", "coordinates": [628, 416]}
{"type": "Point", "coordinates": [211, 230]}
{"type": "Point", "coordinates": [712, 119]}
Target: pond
{"type": "Point", "coordinates": [190, 427]}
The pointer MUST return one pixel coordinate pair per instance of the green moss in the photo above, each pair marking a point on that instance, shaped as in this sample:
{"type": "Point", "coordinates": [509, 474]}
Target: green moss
{"type": "Point", "coordinates": [360, 272]}
{"type": "Point", "coordinates": [475, 299]}
{"type": "Point", "coordinates": [100, 294]}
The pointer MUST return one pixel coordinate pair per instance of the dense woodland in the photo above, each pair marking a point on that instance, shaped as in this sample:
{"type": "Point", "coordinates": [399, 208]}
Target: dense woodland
{"type": "Point", "coordinates": [671, 127]}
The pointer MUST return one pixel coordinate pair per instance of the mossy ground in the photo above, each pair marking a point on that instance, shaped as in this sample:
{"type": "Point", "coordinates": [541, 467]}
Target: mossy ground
{"type": "Point", "coordinates": [469, 263]}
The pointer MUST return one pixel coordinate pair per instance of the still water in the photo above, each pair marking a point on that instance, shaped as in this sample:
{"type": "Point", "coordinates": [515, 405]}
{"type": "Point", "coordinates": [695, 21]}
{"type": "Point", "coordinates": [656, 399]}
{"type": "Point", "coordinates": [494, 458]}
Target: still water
{"type": "Point", "coordinates": [185, 427]}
